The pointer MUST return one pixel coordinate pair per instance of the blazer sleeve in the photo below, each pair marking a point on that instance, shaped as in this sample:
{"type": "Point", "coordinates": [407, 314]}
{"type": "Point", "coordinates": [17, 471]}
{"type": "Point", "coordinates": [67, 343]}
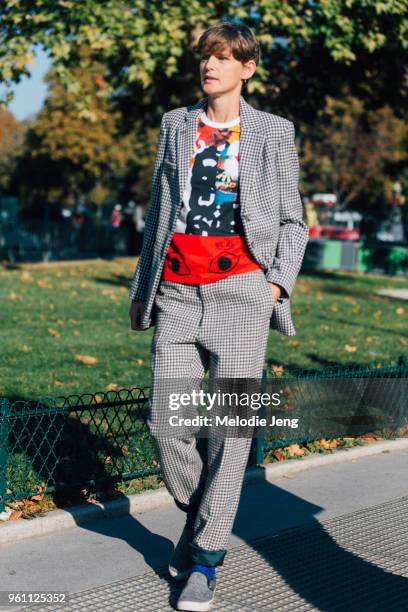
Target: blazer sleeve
{"type": "Point", "coordinates": [293, 230]}
{"type": "Point", "coordinates": [139, 285]}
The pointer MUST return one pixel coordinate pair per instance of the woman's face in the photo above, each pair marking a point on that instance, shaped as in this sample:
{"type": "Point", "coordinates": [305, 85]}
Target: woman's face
{"type": "Point", "coordinates": [221, 72]}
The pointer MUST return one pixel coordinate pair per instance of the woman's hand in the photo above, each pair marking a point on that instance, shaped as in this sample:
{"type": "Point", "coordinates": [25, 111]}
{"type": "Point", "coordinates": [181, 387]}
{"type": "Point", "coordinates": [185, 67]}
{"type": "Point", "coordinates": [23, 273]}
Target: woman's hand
{"type": "Point", "coordinates": [276, 291]}
{"type": "Point", "coordinates": [136, 312]}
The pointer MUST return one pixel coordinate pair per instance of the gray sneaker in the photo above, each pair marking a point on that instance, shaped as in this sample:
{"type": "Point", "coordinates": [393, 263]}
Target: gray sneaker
{"type": "Point", "coordinates": [198, 594]}
{"type": "Point", "coordinates": [180, 562]}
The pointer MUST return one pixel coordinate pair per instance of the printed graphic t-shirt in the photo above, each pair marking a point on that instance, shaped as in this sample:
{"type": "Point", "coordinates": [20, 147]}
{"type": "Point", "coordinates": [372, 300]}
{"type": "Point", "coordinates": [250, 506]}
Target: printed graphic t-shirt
{"type": "Point", "coordinates": [209, 241]}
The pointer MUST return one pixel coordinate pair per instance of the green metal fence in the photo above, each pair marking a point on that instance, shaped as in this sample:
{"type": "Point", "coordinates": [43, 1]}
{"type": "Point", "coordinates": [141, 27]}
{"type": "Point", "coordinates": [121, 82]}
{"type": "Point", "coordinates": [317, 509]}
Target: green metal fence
{"type": "Point", "coordinates": [98, 439]}
{"type": "Point", "coordinates": [389, 412]}
{"type": "Point", "coordinates": [79, 440]}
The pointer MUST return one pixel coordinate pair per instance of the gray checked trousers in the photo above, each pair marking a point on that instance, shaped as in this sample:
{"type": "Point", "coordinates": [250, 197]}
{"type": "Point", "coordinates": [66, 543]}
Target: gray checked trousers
{"type": "Point", "coordinates": [220, 328]}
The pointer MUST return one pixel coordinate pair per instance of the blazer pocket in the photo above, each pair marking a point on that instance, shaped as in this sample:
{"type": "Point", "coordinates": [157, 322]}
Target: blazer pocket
{"type": "Point", "coordinates": [282, 318]}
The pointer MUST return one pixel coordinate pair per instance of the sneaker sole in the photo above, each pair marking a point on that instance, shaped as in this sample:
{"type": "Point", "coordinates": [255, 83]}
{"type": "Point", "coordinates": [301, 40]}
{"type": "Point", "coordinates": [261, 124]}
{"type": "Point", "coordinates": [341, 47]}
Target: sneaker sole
{"type": "Point", "coordinates": [194, 606]}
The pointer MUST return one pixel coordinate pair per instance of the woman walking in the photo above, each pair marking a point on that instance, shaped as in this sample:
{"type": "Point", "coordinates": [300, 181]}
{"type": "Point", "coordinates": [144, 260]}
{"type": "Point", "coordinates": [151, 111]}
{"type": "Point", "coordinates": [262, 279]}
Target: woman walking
{"type": "Point", "coordinates": [224, 242]}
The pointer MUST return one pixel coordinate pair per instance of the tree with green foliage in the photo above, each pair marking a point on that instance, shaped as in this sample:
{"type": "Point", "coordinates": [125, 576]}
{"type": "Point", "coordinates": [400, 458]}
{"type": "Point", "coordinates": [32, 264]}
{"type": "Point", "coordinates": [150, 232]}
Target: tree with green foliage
{"type": "Point", "coordinates": [353, 153]}
{"type": "Point", "coordinates": [310, 49]}
{"type": "Point", "coordinates": [12, 134]}
{"type": "Point", "coordinates": [70, 154]}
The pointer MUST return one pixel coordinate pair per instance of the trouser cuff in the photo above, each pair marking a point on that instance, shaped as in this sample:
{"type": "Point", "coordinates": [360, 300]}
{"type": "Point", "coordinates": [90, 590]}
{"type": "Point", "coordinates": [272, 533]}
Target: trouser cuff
{"type": "Point", "coordinates": [201, 556]}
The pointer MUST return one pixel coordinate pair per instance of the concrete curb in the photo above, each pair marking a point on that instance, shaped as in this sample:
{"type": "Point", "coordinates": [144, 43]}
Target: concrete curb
{"type": "Point", "coordinates": [58, 520]}
{"type": "Point", "coordinates": [276, 470]}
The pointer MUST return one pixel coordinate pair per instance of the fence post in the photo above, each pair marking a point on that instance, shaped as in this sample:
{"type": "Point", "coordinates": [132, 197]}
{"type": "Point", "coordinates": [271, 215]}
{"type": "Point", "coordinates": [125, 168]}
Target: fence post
{"type": "Point", "coordinates": [256, 455]}
{"type": "Point", "coordinates": [4, 429]}
{"type": "Point", "coordinates": [402, 373]}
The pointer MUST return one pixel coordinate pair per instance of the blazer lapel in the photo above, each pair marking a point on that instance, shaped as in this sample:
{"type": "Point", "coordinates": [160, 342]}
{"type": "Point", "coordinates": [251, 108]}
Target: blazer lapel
{"type": "Point", "coordinates": [252, 139]}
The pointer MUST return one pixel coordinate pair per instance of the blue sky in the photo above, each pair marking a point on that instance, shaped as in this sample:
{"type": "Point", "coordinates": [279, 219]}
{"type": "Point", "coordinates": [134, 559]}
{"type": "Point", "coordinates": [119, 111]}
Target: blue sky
{"type": "Point", "coordinates": [29, 94]}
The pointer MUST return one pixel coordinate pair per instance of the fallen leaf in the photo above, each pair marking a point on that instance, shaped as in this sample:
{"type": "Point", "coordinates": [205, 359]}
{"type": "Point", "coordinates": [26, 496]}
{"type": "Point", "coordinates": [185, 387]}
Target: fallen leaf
{"type": "Point", "coordinates": [277, 369]}
{"type": "Point", "coordinates": [15, 515]}
{"type": "Point", "coordinates": [112, 386]}
{"type": "Point", "coordinates": [369, 436]}
{"type": "Point", "coordinates": [28, 504]}
{"type": "Point", "coordinates": [323, 443]}
{"type": "Point", "coordinates": [26, 276]}
{"type": "Point", "coordinates": [278, 455]}
{"type": "Point", "coordinates": [295, 449]}
{"type": "Point", "coordinates": [88, 359]}
{"type": "Point", "coordinates": [400, 311]}
{"type": "Point", "coordinates": [44, 283]}
{"type": "Point", "coordinates": [53, 332]}
{"type": "Point", "coordinates": [25, 348]}
{"type": "Point", "coordinates": [403, 432]}
{"type": "Point", "coordinates": [350, 348]}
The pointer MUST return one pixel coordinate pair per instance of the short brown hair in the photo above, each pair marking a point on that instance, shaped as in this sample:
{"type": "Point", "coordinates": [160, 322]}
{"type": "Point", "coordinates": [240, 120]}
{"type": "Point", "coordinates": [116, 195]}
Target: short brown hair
{"type": "Point", "coordinates": [237, 37]}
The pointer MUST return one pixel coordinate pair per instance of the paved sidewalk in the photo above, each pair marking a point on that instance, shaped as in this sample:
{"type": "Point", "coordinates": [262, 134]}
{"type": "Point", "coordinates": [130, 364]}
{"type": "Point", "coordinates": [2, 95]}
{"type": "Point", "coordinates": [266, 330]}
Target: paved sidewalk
{"type": "Point", "coordinates": [400, 294]}
{"type": "Point", "coordinates": [292, 548]}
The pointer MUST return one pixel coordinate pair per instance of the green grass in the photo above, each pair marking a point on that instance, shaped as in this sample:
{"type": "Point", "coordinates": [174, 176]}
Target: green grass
{"type": "Point", "coordinates": [338, 317]}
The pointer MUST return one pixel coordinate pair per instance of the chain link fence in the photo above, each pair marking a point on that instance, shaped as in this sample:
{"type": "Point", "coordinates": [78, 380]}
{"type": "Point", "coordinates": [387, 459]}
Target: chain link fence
{"type": "Point", "coordinates": [337, 402]}
{"type": "Point", "coordinates": [58, 443]}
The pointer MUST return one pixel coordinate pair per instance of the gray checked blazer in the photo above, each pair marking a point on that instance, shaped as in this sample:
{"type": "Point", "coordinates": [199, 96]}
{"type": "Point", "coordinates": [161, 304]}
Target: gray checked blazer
{"type": "Point", "coordinates": [271, 206]}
